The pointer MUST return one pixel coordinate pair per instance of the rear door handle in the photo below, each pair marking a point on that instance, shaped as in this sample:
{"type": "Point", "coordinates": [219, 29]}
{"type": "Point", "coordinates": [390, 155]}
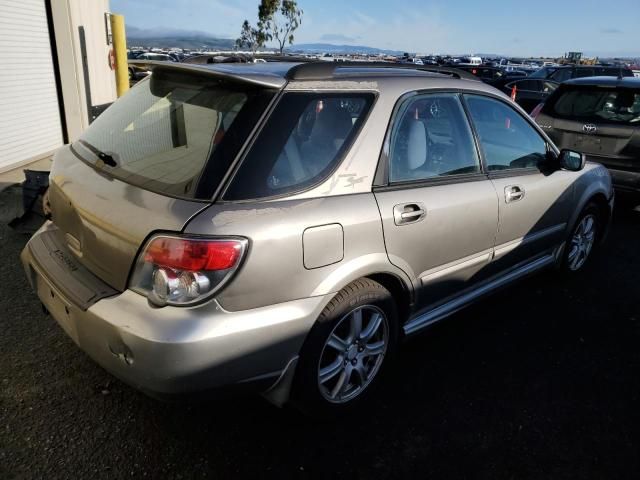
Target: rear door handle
{"type": "Point", "coordinates": [513, 193]}
{"type": "Point", "coordinates": [405, 213]}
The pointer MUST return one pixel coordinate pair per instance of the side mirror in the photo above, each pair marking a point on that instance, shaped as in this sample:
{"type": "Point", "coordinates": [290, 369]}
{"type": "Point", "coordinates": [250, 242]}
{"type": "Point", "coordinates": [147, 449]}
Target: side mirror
{"type": "Point", "coordinates": [572, 160]}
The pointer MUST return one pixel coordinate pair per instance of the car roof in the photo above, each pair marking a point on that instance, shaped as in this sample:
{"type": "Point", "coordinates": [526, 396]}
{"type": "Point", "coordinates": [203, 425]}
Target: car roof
{"type": "Point", "coordinates": [278, 74]}
{"type": "Point", "coordinates": [612, 67]}
{"type": "Point", "coordinates": [627, 82]}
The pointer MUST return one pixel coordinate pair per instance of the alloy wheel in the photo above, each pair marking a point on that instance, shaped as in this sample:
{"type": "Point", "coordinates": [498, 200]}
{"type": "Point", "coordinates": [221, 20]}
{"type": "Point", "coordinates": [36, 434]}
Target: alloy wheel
{"type": "Point", "coordinates": [582, 242]}
{"type": "Point", "coordinates": [353, 353]}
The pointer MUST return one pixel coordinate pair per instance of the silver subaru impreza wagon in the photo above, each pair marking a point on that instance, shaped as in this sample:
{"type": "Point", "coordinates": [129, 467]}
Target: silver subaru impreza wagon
{"type": "Point", "coordinates": [287, 225]}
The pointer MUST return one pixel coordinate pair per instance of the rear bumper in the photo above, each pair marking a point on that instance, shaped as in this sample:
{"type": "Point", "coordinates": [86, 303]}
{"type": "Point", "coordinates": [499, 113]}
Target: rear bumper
{"type": "Point", "coordinates": [172, 350]}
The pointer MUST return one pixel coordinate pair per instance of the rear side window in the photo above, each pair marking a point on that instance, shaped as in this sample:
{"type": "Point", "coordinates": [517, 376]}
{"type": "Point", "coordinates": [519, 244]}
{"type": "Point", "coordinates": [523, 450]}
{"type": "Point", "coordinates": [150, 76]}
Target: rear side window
{"type": "Point", "coordinates": [302, 142]}
{"type": "Point", "coordinates": [176, 133]}
{"type": "Point", "coordinates": [431, 138]}
{"type": "Point", "coordinates": [508, 141]}
{"type": "Point", "coordinates": [596, 104]}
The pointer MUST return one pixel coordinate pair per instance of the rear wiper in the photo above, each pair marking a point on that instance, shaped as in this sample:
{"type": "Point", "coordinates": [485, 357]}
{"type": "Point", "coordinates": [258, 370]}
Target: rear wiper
{"type": "Point", "coordinates": [105, 157]}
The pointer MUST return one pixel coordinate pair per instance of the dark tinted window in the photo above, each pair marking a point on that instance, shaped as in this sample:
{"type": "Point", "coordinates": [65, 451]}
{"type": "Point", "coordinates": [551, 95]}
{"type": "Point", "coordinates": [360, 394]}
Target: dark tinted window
{"type": "Point", "coordinates": [612, 72]}
{"type": "Point", "coordinates": [584, 72]}
{"type": "Point", "coordinates": [301, 144]}
{"type": "Point", "coordinates": [544, 72]}
{"type": "Point", "coordinates": [176, 133]}
{"type": "Point", "coordinates": [561, 75]}
{"type": "Point", "coordinates": [526, 85]}
{"type": "Point", "coordinates": [507, 139]}
{"type": "Point", "coordinates": [431, 138]}
{"type": "Point", "coordinates": [596, 104]}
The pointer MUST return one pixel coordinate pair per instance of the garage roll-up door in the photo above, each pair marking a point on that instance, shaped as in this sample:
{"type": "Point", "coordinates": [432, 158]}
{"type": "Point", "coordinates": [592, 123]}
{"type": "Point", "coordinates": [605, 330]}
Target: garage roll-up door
{"type": "Point", "coordinates": [29, 115]}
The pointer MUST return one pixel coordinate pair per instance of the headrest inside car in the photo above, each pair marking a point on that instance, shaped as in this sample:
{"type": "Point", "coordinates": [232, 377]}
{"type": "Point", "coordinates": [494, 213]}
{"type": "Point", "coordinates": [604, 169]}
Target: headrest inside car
{"type": "Point", "coordinates": [416, 145]}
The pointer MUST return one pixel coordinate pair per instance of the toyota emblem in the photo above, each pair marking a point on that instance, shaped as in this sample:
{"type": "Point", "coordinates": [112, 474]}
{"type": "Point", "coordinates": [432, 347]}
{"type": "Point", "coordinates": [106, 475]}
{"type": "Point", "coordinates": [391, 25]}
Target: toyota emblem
{"type": "Point", "coordinates": [589, 128]}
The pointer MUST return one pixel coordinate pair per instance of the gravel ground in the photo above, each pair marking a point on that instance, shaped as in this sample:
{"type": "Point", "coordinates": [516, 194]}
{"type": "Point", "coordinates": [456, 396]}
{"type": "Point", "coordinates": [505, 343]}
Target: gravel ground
{"type": "Point", "coordinates": [539, 381]}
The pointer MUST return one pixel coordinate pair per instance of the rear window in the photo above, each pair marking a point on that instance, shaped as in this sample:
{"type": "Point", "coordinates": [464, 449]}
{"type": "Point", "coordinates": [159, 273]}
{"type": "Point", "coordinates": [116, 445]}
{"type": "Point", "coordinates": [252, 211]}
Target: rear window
{"type": "Point", "coordinates": [594, 104]}
{"type": "Point", "coordinates": [303, 141]}
{"type": "Point", "coordinates": [176, 133]}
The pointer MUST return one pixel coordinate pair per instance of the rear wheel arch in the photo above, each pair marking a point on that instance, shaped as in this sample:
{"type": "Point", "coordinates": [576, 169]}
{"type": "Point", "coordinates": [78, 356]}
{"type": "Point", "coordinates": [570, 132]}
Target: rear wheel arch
{"type": "Point", "coordinates": [401, 294]}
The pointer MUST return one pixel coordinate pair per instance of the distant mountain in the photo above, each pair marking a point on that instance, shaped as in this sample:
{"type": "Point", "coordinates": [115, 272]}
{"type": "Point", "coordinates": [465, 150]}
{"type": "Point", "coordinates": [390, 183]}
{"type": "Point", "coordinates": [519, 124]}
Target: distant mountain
{"type": "Point", "coordinates": [162, 37]}
{"type": "Point", "coordinates": [339, 49]}
{"type": "Point", "coordinates": [167, 37]}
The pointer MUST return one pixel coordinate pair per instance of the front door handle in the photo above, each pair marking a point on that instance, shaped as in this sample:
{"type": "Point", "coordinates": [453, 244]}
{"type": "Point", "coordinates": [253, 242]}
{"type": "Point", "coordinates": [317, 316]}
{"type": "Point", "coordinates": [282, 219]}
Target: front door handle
{"type": "Point", "coordinates": [513, 193]}
{"type": "Point", "coordinates": [405, 213]}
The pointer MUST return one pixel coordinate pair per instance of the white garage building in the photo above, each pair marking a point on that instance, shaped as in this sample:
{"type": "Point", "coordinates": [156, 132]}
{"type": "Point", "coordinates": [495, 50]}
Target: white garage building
{"type": "Point", "coordinates": [55, 75]}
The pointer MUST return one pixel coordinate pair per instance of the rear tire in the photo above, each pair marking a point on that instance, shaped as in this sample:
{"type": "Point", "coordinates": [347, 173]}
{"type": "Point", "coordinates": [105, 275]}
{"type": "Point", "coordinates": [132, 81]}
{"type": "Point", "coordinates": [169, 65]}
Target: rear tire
{"type": "Point", "coordinates": [582, 240]}
{"type": "Point", "coordinates": [347, 350]}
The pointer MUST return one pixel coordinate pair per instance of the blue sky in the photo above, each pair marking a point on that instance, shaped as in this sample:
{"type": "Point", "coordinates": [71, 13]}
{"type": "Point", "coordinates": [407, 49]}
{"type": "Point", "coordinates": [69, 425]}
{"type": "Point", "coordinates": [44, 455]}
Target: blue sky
{"type": "Point", "coordinates": [513, 27]}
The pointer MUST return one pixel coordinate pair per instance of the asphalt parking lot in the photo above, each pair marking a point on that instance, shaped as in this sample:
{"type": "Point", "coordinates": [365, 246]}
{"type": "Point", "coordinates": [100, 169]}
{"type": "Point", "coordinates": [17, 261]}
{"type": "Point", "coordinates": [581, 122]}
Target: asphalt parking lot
{"type": "Point", "coordinates": [539, 381]}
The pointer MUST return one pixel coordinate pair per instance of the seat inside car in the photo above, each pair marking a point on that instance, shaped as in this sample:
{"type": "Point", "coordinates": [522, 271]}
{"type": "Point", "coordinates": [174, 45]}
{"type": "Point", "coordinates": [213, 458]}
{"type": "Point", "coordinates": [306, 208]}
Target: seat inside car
{"type": "Point", "coordinates": [330, 129]}
{"type": "Point", "coordinates": [409, 154]}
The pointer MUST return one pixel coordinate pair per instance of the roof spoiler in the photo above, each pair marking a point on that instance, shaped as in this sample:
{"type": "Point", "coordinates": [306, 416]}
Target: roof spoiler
{"type": "Point", "coordinates": [318, 70]}
{"type": "Point", "coordinates": [206, 69]}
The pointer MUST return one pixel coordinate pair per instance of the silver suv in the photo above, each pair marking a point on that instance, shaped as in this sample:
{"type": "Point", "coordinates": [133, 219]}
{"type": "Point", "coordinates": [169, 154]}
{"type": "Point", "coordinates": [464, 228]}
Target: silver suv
{"type": "Point", "coordinates": [286, 225]}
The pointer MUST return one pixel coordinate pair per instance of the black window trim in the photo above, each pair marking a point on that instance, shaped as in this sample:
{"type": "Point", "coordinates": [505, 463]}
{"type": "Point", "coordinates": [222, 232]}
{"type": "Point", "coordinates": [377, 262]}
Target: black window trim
{"type": "Point", "coordinates": [235, 168]}
{"type": "Point", "coordinates": [381, 181]}
{"type": "Point", "coordinates": [234, 165]}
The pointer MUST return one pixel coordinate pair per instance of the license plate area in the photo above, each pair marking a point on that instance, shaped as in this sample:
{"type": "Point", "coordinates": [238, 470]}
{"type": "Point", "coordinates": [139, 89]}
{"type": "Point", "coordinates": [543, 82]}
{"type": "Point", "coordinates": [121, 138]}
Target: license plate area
{"type": "Point", "coordinates": [596, 145]}
{"type": "Point", "coordinates": [59, 308]}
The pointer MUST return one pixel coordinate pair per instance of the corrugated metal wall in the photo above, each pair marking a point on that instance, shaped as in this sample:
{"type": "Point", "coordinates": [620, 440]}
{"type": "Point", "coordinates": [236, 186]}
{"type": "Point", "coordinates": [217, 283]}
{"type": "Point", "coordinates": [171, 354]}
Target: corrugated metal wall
{"type": "Point", "coordinates": [29, 114]}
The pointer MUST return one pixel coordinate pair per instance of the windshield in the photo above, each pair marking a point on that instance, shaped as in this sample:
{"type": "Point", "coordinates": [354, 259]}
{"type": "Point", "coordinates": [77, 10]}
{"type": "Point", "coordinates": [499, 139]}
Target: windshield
{"type": "Point", "coordinates": [174, 134]}
{"type": "Point", "coordinates": [596, 104]}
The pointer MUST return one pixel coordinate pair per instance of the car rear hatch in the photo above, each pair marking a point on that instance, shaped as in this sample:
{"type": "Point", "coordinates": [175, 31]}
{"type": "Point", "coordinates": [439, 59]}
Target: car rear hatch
{"type": "Point", "coordinates": [602, 122]}
{"type": "Point", "coordinates": [149, 163]}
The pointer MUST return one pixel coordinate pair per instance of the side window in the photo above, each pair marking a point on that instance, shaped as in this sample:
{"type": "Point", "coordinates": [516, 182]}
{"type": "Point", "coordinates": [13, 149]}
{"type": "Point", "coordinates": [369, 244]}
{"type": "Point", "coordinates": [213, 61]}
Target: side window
{"type": "Point", "coordinates": [561, 75]}
{"type": "Point", "coordinates": [300, 145]}
{"type": "Point", "coordinates": [584, 72]}
{"type": "Point", "coordinates": [525, 85]}
{"type": "Point", "coordinates": [431, 138]}
{"type": "Point", "coordinates": [507, 140]}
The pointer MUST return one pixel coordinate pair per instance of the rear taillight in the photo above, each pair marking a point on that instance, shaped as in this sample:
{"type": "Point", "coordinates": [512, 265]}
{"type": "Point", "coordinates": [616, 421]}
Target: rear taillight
{"type": "Point", "coordinates": [182, 271]}
{"type": "Point", "coordinates": [536, 111]}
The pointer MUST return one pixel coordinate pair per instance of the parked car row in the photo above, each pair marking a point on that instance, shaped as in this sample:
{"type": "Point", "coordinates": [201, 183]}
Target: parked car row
{"type": "Point", "coordinates": [286, 225]}
{"type": "Point", "coordinates": [532, 89]}
{"type": "Point", "coordinates": [600, 117]}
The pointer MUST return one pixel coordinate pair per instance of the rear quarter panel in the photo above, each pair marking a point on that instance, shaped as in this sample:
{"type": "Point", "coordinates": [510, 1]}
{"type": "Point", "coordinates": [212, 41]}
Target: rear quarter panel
{"type": "Point", "coordinates": [274, 270]}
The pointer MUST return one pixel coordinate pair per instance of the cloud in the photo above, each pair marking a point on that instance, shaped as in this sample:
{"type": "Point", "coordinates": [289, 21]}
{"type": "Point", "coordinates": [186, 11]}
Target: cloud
{"type": "Point", "coordinates": [337, 37]}
{"type": "Point", "coordinates": [611, 30]}
{"type": "Point", "coordinates": [404, 29]}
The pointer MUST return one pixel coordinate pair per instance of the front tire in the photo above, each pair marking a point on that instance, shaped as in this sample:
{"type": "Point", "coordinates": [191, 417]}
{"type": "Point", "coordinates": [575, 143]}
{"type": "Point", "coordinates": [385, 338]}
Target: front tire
{"type": "Point", "coordinates": [582, 240]}
{"type": "Point", "coordinates": [347, 350]}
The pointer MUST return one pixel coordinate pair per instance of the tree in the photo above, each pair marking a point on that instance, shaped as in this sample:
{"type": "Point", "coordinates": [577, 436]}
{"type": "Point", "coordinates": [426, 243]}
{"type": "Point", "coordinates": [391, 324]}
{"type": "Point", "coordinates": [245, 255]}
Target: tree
{"type": "Point", "coordinates": [251, 37]}
{"type": "Point", "coordinates": [279, 19]}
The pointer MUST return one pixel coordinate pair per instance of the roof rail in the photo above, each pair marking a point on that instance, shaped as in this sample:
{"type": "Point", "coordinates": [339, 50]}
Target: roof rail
{"type": "Point", "coordinates": [284, 58]}
{"type": "Point", "coordinates": [319, 70]}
